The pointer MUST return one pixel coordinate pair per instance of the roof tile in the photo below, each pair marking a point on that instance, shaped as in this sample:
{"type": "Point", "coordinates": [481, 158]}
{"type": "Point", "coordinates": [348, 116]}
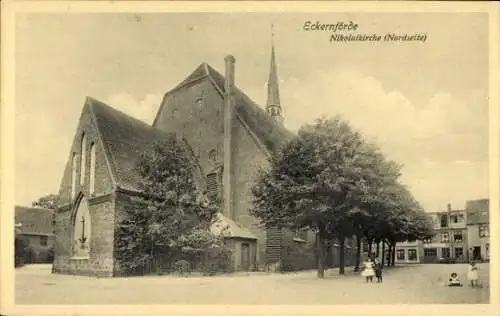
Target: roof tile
{"type": "Point", "coordinates": [34, 220]}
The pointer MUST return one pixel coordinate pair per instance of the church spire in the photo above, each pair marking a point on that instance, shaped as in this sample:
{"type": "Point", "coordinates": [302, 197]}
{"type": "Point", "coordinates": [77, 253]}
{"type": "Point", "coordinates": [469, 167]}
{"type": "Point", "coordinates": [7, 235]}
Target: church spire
{"type": "Point", "coordinates": [273, 105]}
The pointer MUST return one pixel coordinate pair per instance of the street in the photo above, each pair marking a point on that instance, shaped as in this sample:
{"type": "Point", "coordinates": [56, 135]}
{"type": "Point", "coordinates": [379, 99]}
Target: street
{"type": "Point", "coordinates": [403, 284]}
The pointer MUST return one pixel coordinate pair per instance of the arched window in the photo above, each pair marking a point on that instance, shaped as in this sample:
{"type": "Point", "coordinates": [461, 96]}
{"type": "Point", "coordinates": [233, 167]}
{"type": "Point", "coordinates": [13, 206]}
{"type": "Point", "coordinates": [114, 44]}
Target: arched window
{"type": "Point", "coordinates": [92, 169]}
{"type": "Point", "coordinates": [83, 160]}
{"type": "Point", "coordinates": [81, 230]}
{"type": "Point", "coordinates": [73, 175]}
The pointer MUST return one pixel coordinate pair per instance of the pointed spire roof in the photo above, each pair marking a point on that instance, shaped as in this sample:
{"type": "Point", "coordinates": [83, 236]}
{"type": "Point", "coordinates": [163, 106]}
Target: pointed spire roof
{"type": "Point", "coordinates": [273, 93]}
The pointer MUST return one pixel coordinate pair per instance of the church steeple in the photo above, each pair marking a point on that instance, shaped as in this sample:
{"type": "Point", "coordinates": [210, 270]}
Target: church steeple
{"type": "Point", "coordinates": [273, 105]}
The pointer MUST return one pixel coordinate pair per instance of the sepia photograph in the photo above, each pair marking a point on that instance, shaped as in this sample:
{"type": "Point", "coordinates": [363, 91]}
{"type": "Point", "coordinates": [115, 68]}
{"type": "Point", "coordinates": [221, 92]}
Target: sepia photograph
{"type": "Point", "coordinates": [251, 158]}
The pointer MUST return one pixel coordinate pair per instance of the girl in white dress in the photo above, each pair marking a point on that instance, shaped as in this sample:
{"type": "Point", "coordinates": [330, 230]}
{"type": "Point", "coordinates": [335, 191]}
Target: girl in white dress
{"type": "Point", "coordinates": [368, 271]}
{"type": "Point", "coordinates": [472, 274]}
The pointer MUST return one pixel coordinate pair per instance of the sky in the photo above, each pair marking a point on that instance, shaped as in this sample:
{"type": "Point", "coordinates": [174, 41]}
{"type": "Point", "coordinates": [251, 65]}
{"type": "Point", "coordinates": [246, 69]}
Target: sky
{"type": "Point", "coordinates": [424, 103]}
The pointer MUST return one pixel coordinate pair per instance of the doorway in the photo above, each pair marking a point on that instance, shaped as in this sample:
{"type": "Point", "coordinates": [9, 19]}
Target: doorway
{"type": "Point", "coordinates": [245, 257]}
{"type": "Point", "coordinates": [476, 253]}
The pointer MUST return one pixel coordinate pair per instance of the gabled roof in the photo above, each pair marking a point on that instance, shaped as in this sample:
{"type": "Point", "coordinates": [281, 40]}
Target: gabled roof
{"type": "Point", "coordinates": [230, 229]}
{"type": "Point", "coordinates": [271, 134]}
{"type": "Point", "coordinates": [124, 139]}
{"type": "Point", "coordinates": [34, 221]}
{"type": "Point", "coordinates": [478, 211]}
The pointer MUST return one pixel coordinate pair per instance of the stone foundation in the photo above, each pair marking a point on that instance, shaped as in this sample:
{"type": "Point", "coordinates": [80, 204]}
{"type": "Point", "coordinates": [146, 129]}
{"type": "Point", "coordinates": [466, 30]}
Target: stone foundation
{"type": "Point", "coordinates": [102, 267]}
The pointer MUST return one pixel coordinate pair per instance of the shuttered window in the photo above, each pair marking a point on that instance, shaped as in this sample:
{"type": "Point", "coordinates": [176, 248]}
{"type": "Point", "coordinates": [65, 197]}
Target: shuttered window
{"type": "Point", "coordinates": [212, 184]}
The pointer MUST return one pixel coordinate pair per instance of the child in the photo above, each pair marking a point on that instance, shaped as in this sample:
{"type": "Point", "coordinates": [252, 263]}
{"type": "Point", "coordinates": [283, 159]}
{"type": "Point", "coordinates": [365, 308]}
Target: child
{"type": "Point", "coordinates": [472, 274]}
{"type": "Point", "coordinates": [454, 281]}
{"type": "Point", "coordinates": [368, 272]}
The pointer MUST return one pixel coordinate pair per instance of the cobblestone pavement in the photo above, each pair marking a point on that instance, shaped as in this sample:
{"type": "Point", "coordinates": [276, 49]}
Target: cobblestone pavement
{"type": "Point", "coordinates": [404, 284]}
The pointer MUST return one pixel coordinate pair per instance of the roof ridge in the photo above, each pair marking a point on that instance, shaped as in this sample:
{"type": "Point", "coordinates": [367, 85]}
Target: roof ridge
{"type": "Point", "coordinates": [33, 208]}
{"type": "Point", "coordinates": [95, 102]}
{"type": "Point", "coordinates": [198, 73]}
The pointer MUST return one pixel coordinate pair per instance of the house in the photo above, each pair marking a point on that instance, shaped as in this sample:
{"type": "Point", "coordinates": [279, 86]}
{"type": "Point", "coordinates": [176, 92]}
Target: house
{"type": "Point", "coordinates": [228, 137]}
{"type": "Point", "coordinates": [409, 252]}
{"type": "Point", "coordinates": [478, 229]}
{"type": "Point", "coordinates": [450, 236]}
{"type": "Point", "coordinates": [35, 227]}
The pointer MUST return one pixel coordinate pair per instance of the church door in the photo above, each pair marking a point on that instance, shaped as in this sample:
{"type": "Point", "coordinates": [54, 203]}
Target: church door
{"type": "Point", "coordinates": [245, 257]}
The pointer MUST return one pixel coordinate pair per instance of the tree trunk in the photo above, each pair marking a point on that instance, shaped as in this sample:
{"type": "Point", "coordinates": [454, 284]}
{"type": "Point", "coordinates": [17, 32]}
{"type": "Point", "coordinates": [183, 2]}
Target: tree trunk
{"type": "Point", "coordinates": [383, 252]}
{"type": "Point", "coordinates": [320, 246]}
{"type": "Point", "coordinates": [342, 255]}
{"type": "Point", "coordinates": [389, 254]}
{"type": "Point", "coordinates": [358, 253]}
{"type": "Point", "coordinates": [393, 257]}
{"type": "Point", "coordinates": [370, 242]}
{"type": "Point", "coordinates": [378, 249]}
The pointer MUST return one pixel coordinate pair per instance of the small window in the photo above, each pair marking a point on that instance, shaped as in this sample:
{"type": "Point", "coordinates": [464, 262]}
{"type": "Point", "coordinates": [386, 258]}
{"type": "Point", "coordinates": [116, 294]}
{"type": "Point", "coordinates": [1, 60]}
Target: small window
{"type": "Point", "coordinates": [445, 252]}
{"type": "Point", "coordinates": [457, 237]}
{"type": "Point", "coordinates": [200, 102]}
{"type": "Point", "coordinates": [459, 252]}
{"type": "Point", "coordinates": [430, 252]}
{"type": "Point", "coordinates": [400, 254]}
{"type": "Point", "coordinates": [445, 237]}
{"type": "Point", "coordinates": [484, 231]}
{"type": "Point", "coordinates": [43, 240]}
{"type": "Point", "coordinates": [212, 155]}
{"type": "Point", "coordinates": [428, 240]}
{"type": "Point", "coordinates": [412, 254]}
{"type": "Point", "coordinates": [444, 221]}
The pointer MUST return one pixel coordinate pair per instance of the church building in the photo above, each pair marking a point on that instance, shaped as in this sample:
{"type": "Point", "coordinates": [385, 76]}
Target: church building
{"type": "Point", "coordinates": [229, 137]}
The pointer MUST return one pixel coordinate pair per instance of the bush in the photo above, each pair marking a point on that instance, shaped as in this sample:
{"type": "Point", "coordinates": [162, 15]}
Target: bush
{"type": "Point", "coordinates": [19, 252]}
{"type": "Point", "coordinates": [209, 261]}
{"type": "Point", "coordinates": [296, 258]}
{"type": "Point", "coordinates": [30, 255]}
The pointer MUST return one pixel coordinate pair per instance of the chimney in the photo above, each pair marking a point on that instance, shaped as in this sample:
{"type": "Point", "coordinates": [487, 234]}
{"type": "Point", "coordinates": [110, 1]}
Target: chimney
{"type": "Point", "coordinates": [449, 207]}
{"type": "Point", "coordinates": [229, 83]}
{"type": "Point", "coordinates": [228, 123]}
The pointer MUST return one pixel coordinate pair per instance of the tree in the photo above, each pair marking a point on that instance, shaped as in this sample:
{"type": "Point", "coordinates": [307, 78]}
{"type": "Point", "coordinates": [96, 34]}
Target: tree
{"type": "Point", "coordinates": [48, 201]}
{"type": "Point", "coordinates": [158, 221]}
{"type": "Point", "coordinates": [315, 182]}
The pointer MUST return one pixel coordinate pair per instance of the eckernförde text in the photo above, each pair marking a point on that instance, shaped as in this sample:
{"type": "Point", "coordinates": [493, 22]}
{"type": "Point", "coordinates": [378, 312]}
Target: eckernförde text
{"type": "Point", "coordinates": [349, 32]}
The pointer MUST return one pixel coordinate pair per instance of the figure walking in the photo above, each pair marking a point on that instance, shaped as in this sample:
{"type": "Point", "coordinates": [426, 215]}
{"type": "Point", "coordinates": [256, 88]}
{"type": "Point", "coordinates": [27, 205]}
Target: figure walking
{"type": "Point", "coordinates": [368, 271]}
{"type": "Point", "coordinates": [472, 274]}
{"type": "Point", "coordinates": [378, 270]}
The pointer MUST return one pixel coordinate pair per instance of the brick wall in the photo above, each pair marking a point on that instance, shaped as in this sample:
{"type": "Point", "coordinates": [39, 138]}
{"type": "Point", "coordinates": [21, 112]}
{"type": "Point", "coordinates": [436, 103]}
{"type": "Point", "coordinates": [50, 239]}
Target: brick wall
{"type": "Point", "coordinates": [247, 158]}
{"type": "Point", "coordinates": [103, 180]}
{"type": "Point", "coordinates": [201, 124]}
{"type": "Point", "coordinates": [100, 262]}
